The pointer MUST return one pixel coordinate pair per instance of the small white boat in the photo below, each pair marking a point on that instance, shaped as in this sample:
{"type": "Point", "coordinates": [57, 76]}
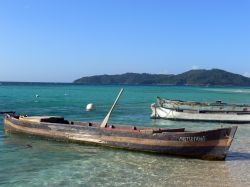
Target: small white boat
{"type": "Point", "coordinates": [196, 115]}
{"type": "Point", "coordinates": [217, 106]}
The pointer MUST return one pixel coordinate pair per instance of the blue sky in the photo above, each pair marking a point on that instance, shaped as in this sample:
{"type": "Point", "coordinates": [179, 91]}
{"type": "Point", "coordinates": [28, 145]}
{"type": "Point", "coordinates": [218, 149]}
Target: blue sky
{"type": "Point", "coordinates": [59, 41]}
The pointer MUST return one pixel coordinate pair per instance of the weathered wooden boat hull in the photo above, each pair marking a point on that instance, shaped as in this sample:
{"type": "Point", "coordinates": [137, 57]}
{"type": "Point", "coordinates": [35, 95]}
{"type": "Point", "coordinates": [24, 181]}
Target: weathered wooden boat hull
{"type": "Point", "coordinates": [191, 115]}
{"type": "Point", "coordinates": [210, 145]}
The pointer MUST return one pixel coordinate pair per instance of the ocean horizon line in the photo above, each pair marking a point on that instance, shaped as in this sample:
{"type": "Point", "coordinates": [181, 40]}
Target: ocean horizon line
{"type": "Point", "coordinates": [86, 84]}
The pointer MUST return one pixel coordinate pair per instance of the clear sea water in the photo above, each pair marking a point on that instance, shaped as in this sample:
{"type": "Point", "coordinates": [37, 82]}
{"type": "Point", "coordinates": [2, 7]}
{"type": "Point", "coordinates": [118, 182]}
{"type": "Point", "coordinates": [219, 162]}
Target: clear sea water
{"type": "Point", "coordinates": [28, 161]}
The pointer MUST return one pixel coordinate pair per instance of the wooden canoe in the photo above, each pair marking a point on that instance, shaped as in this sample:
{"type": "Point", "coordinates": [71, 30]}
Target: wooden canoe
{"type": "Point", "coordinates": [209, 145]}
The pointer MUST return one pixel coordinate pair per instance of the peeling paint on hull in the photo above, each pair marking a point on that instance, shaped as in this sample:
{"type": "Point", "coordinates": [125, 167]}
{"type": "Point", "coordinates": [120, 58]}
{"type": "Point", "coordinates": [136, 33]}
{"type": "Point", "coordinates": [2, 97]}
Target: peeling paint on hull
{"type": "Point", "coordinates": [210, 145]}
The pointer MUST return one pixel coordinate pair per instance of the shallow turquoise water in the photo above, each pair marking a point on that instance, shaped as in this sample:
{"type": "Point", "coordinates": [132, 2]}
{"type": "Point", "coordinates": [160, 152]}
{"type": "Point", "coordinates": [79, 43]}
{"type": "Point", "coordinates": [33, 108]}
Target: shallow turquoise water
{"type": "Point", "coordinates": [29, 161]}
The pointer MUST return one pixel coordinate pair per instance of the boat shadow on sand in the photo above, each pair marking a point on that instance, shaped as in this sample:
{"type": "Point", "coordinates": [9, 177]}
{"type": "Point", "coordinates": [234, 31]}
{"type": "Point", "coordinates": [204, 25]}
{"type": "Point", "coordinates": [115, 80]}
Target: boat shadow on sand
{"type": "Point", "coordinates": [236, 155]}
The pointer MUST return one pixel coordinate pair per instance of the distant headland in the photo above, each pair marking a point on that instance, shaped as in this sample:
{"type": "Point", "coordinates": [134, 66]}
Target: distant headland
{"type": "Point", "coordinates": [201, 77]}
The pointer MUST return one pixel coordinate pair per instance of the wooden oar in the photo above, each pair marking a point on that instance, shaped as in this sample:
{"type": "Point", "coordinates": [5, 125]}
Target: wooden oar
{"type": "Point", "coordinates": [105, 121]}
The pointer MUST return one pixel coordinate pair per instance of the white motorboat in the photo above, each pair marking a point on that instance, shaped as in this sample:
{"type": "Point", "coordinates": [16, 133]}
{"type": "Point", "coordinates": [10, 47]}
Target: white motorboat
{"type": "Point", "coordinates": [217, 106]}
{"type": "Point", "coordinates": [223, 116]}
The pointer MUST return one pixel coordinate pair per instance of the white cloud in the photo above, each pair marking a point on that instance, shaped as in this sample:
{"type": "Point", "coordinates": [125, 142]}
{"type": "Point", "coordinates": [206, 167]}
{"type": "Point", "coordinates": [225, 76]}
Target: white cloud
{"type": "Point", "coordinates": [194, 67]}
{"type": "Point", "coordinates": [247, 74]}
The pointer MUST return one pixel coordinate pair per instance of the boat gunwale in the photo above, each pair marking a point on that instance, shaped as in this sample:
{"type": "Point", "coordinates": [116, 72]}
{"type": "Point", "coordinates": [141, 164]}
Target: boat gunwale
{"type": "Point", "coordinates": [110, 127]}
{"type": "Point", "coordinates": [122, 128]}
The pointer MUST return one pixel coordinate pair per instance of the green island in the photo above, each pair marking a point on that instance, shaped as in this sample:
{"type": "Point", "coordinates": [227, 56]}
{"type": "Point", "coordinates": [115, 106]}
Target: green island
{"type": "Point", "coordinates": [200, 77]}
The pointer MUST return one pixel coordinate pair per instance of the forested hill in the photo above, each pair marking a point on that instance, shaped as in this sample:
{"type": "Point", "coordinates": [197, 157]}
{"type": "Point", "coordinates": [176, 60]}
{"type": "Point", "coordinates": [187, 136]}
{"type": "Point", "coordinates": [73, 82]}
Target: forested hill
{"type": "Point", "coordinates": [213, 77]}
